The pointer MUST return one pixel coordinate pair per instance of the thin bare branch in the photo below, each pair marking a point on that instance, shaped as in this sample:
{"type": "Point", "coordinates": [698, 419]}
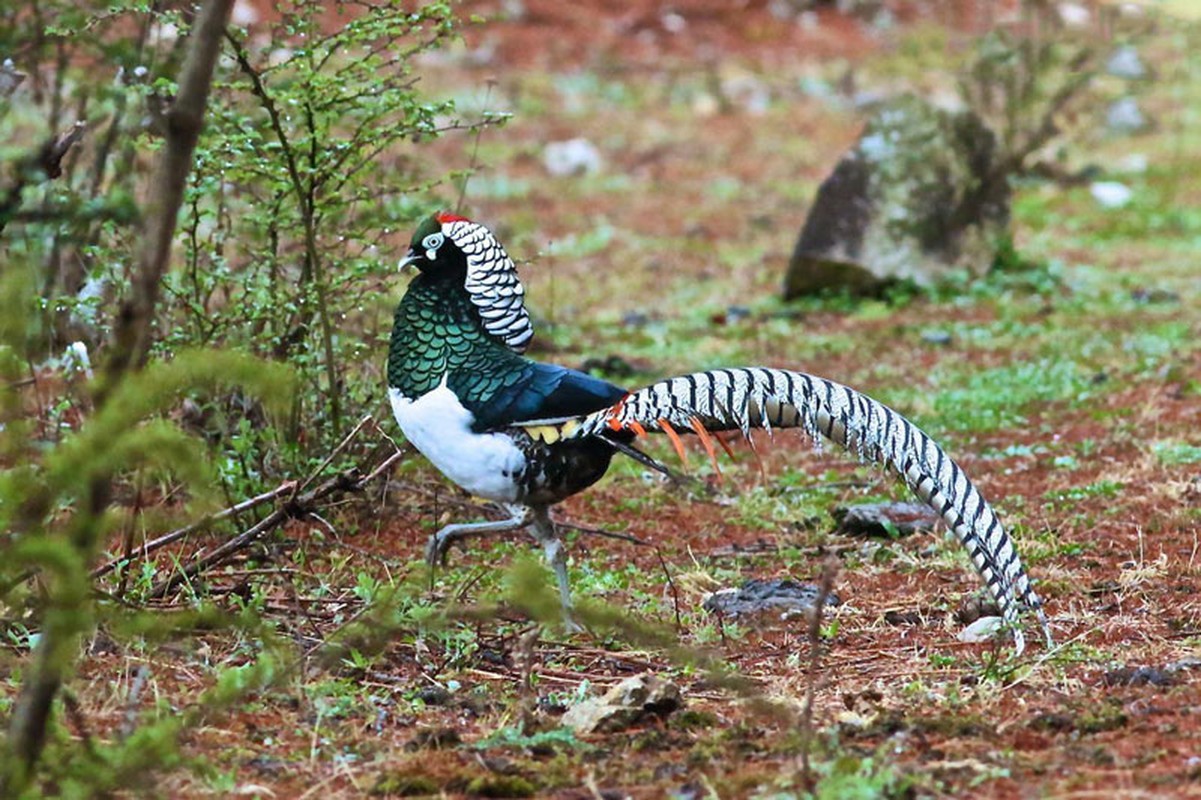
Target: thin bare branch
{"type": "Point", "coordinates": [199, 525]}
{"type": "Point", "coordinates": [297, 507]}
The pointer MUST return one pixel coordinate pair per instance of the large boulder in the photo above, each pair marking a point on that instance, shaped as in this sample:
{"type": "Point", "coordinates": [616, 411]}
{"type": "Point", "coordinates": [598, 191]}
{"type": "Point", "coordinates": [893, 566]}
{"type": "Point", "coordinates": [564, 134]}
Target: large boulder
{"type": "Point", "coordinates": [921, 193]}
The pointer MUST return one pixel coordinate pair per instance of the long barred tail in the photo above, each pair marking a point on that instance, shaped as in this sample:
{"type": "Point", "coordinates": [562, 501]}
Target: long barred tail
{"type": "Point", "coordinates": [748, 398]}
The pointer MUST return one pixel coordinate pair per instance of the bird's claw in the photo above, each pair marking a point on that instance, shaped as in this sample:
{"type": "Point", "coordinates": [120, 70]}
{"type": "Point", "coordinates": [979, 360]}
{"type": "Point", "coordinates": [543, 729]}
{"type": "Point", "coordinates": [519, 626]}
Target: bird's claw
{"type": "Point", "coordinates": [436, 549]}
{"type": "Point", "coordinates": [570, 625]}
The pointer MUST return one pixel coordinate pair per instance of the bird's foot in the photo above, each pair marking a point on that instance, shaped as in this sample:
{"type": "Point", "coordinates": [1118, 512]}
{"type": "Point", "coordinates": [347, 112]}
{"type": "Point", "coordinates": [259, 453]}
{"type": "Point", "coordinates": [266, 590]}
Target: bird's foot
{"type": "Point", "coordinates": [436, 549]}
{"type": "Point", "coordinates": [569, 623]}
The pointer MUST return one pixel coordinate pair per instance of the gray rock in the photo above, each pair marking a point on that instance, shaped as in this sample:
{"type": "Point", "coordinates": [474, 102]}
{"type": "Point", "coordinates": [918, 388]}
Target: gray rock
{"type": "Point", "coordinates": [1124, 116]}
{"type": "Point", "coordinates": [571, 157]}
{"type": "Point", "coordinates": [1126, 63]}
{"type": "Point", "coordinates": [922, 193]}
{"type": "Point", "coordinates": [10, 78]}
{"type": "Point", "coordinates": [624, 705]}
{"type": "Point", "coordinates": [983, 630]}
{"type": "Point", "coordinates": [1074, 15]}
{"type": "Point", "coordinates": [1111, 194]}
{"type": "Point", "coordinates": [758, 596]}
{"type": "Point", "coordinates": [885, 520]}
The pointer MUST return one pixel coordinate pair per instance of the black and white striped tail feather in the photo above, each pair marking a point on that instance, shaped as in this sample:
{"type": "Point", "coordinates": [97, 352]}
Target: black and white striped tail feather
{"type": "Point", "coordinates": [759, 398]}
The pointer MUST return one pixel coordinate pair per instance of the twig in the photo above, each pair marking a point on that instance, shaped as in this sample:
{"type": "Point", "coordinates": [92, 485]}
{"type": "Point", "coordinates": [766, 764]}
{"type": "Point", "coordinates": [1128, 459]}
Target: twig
{"type": "Point", "coordinates": [75, 712]}
{"type": "Point", "coordinates": [167, 538]}
{"type": "Point", "coordinates": [219, 555]}
{"type": "Point", "coordinates": [130, 720]}
{"type": "Point", "coordinates": [349, 480]}
{"type": "Point", "coordinates": [624, 537]}
{"type": "Point", "coordinates": [830, 569]}
{"type": "Point", "coordinates": [129, 532]}
{"type": "Point", "coordinates": [325, 462]}
{"type": "Point", "coordinates": [384, 465]}
{"type": "Point", "coordinates": [526, 645]}
{"type": "Point", "coordinates": [675, 594]}
{"type": "Point", "coordinates": [475, 150]}
{"type": "Point", "coordinates": [767, 548]}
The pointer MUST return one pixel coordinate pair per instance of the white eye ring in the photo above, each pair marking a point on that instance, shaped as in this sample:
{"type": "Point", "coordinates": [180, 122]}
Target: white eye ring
{"type": "Point", "coordinates": [432, 243]}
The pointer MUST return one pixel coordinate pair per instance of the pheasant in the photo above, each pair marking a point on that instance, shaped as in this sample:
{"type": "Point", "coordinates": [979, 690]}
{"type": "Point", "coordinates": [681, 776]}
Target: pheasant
{"type": "Point", "coordinates": [528, 435]}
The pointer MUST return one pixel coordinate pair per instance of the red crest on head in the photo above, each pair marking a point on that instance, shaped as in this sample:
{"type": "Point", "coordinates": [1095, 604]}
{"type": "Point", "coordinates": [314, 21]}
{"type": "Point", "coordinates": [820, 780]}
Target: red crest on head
{"type": "Point", "coordinates": [446, 216]}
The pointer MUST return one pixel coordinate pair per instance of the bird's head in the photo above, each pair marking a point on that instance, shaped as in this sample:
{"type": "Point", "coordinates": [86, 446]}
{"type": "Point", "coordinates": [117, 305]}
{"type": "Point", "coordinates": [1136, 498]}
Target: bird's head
{"type": "Point", "coordinates": [447, 247]}
{"type": "Point", "coordinates": [433, 249]}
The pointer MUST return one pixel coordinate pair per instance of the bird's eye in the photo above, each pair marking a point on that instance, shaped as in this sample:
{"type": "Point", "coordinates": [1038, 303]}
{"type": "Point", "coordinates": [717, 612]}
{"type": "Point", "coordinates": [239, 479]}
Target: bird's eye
{"type": "Point", "coordinates": [432, 242]}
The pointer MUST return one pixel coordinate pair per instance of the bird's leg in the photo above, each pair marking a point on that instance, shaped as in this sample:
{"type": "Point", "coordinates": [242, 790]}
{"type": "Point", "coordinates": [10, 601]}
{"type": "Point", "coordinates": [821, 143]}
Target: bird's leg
{"type": "Point", "coordinates": [440, 542]}
{"type": "Point", "coordinates": [542, 529]}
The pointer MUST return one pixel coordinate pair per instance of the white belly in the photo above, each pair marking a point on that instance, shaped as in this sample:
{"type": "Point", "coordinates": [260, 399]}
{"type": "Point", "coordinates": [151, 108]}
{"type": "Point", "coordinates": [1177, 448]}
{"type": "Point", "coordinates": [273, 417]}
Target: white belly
{"type": "Point", "coordinates": [437, 424]}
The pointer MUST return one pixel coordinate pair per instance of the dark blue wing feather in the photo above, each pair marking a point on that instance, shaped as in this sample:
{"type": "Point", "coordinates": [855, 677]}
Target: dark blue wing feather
{"type": "Point", "coordinates": [544, 391]}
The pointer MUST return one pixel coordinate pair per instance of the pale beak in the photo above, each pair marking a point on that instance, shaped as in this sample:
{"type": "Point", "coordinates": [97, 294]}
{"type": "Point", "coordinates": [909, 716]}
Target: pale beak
{"type": "Point", "coordinates": [410, 258]}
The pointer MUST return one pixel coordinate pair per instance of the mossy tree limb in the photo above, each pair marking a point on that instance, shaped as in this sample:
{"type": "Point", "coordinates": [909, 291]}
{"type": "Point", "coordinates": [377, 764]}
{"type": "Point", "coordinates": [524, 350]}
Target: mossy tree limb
{"type": "Point", "coordinates": [67, 616]}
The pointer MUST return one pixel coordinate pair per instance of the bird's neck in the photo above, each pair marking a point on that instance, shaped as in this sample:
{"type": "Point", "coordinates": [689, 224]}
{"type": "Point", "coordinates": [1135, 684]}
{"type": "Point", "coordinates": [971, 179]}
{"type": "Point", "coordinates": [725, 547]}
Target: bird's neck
{"type": "Point", "coordinates": [436, 331]}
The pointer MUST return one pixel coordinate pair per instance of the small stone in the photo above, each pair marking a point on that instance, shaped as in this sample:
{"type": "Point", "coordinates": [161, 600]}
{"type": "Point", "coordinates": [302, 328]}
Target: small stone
{"type": "Point", "coordinates": [673, 22]}
{"type": "Point", "coordinates": [624, 705]}
{"type": "Point", "coordinates": [941, 338]}
{"type": "Point", "coordinates": [903, 617]}
{"type": "Point", "coordinates": [513, 10]}
{"type": "Point", "coordinates": [982, 630]}
{"type": "Point", "coordinates": [731, 316]}
{"type": "Point", "coordinates": [1126, 63]}
{"type": "Point", "coordinates": [1111, 194]}
{"type": "Point", "coordinates": [885, 520]}
{"type": "Point", "coordinates": [433, 696]}
{"type": "Point", "coordinates": [737, 313]}
{"type": "Point", "coordinates": [244, 14]}
{"type": "Point", "coordinates": [572, 157]}
{"type": "Point", "coordinates": [781, 9]}
{"type": "Point", "coordinates": [975, 607]}
{"type": "Point", "coordinates": [1125, 117]}
{"type": "Point", "coordinates": [1135, 163]}
{"type": "Point", "coordinates": [434, 739]}
{"type": "Point", "coordinates": [758, 596]}
{"type": "Point", "coordinates": [1074, 15]}
{"type": "Point", "coordinates": [614, 366]}
{"type": "Point", "coordinates": [1154, 296]}
{"type": "Point", "coordinates": [747, 92]}
{"type": "Point", "coordinates": [689, 791]}
{"type": "Point", "coordinates": [1138, 676]}
{"type": "Point", "coordinates": [635, 319]}
{"type": "Point", "coordinates": [705, 105]}
{"type": "Point", "coordinates": [869, 99]}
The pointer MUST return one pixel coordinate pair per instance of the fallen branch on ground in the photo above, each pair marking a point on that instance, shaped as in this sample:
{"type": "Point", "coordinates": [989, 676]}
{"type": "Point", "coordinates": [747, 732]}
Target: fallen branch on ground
{"type": "Point", "coordinates": [200, 525]}
{"type": "Point", "coordinates": [296, 506]}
